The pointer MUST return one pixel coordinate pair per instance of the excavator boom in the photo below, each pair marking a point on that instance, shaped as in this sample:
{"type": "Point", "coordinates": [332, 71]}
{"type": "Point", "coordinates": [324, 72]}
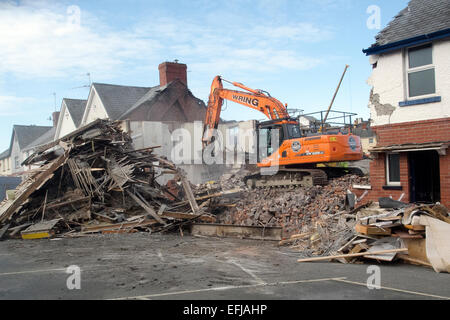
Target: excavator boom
{"type": "Point", "coordinates": [254, 99]}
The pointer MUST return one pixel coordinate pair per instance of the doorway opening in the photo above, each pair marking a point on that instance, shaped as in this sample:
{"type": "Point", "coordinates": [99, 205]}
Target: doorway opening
{"type": "Point", "coordinates": [424, 176]}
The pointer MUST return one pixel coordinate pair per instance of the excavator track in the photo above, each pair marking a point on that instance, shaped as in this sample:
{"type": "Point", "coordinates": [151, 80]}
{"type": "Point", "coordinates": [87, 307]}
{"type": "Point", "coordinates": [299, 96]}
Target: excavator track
{"type": "Point", "coordinates": [287, 178]}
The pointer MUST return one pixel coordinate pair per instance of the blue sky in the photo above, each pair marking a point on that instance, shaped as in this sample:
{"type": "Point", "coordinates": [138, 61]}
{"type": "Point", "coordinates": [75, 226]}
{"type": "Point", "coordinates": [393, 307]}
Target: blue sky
{"type": "Point", "coordinates": [296, 50]}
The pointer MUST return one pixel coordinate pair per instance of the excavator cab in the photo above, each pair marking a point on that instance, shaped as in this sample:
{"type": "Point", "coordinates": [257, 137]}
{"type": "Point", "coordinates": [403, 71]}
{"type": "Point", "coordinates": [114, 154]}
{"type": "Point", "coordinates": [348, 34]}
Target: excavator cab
{"type": "Point", "coordinates": [272, 134]}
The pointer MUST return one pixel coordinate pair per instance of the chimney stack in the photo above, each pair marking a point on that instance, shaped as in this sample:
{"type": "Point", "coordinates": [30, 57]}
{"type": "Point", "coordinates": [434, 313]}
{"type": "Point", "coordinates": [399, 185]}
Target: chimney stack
{"type": "Point", "coordinates": [55, 117]}
{"type": "Point", "coordinates": [170, 71]}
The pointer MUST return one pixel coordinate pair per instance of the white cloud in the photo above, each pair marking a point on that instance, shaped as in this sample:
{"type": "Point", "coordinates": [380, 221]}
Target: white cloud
{"type": "Point", "coordinates": [45, 40]}
{"type": "Point", "coordinates": [13, 106]}
{"type": "Point", "coordinates": [259, 48]}
{"type": "Point", "coordinates": [306, 32]}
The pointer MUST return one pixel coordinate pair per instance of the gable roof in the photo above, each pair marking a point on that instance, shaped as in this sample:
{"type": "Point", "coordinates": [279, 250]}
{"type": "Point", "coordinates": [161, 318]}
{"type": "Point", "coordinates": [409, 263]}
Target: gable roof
{"type": "Point", "coordinates": [118, 99]}
{"type": "Point", "coordinates": [76, 109]}
{"type": "Point", "coordinates": [43, 139]}
{"type": "Point", "coordinates": [27, 134]}
{"type": "Point", "coordinates": [420, 20]}
{"type": "Point", "coordinates": [147, 99]}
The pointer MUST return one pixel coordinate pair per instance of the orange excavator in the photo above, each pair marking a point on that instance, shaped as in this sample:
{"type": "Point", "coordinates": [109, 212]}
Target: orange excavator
{"type": "Point", "coordinates": [294, 154]}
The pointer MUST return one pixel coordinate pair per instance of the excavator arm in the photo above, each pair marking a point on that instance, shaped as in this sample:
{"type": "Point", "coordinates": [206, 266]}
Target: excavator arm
{"type": "Point", "coordinates": [255, 99]}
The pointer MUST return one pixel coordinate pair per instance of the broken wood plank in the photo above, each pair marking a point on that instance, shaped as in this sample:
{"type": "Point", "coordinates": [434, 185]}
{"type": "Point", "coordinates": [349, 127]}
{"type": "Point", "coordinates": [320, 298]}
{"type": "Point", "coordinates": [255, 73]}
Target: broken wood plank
{"type": "Point", "coordinates": [3, 230]}
{"type": "Point", "coordinates": [294, 237]}
{"type": "Point", "coordinates": [62, 204]}
{"type": "Point", "coordinates": [146, 207]}
{"type": "Point", "coordinates": [234, 231]}
{"type": "Point", "coordinates": [37, 182]}
{"type": "Point", "coordinates": [362, 187]}
{"type": "Point", "coordinates": [182, 216]}
{"type": "Point", "coordinates": [116, 226]}
{"type": "Point", "coordinates": [414, 261]}
{"type": "Point", "coordinates": [360, 254]}
{"type": "Point", "coordinates": [372, 230]}
{"type": "Point", "coordinates": [189, 194]}
{"type": "Point", "coordinates": [40, 230]}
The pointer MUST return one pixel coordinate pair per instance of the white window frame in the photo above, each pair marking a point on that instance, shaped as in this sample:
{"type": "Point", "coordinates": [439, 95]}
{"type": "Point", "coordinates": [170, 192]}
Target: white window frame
{"type": "Point", "coordinates": [417, 69]}
{"type": "Point", "coordinates": [388, 182]}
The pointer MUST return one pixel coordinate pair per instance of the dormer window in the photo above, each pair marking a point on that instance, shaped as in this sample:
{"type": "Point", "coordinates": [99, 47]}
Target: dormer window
{"type": "Point", "coordinates": [420, 71]}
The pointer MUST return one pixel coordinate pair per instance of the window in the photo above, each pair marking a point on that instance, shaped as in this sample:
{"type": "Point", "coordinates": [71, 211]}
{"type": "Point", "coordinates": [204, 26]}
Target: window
{"type": "Point", "coordinates": [16, 162]}
{"type": "Point", "coordinates": [393, 169]}
{"type": "Point", "coordinates": [420, 71]}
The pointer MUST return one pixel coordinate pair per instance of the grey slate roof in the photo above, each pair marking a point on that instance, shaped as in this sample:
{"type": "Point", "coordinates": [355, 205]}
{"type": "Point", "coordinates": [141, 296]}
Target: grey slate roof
{"type": "Point", "coordinates": [43, 139]}
{"type": "Point", "coordinates": [146, 98]}
{"type": "Point", "coordinates": [27, 134]}
{"type": "Point", "coordinates": [4, 154]}
{"type": "Point", "coordinates": [419, 18]}
{"type": "Point", "coordinates": [76, 109]}
{"type": "Point", "coordinates": [118, 99]}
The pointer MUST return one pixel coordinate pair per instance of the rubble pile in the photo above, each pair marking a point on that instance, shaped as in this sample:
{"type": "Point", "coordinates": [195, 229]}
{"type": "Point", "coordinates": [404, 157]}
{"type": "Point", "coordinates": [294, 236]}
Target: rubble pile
{"type": "Point", "coordinates": [293, 209]}
{"type": "Point", "coordinates": [331, 223]}
{"type": "Point", "coordinates": [382, 231]}
{"type": "Point", "coordinates": [94, 181]}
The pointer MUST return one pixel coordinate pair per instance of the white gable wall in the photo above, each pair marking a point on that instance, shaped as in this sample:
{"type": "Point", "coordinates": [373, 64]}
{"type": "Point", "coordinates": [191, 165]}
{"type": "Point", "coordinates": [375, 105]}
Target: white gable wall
{"type": "Point", "coordinates": [17, 156]}
{"type": "Point", "coordinates": [94, 109]}
{"type": "Point", "coordinates": [65, 124]}
{"type": "Point", "coordinates": [389, 82]}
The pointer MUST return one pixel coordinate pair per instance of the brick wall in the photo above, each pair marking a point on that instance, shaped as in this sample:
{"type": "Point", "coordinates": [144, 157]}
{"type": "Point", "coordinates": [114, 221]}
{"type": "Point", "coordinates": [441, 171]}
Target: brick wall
{"type": "Point", "coordinates": [445, 178]}
{"type": "Point", "coordinates": [413, 132]}
{"type": "Point", "coordinates": [169, 71]}
{"type": "Point", "coordinates": [402, 133]}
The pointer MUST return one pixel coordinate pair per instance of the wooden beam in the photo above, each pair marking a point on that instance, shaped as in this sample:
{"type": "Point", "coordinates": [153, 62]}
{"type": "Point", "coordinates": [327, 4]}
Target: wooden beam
{"type": "Point", "coordinates": [360, 254]}
{"type": "Point", "coordinates": [39, 180]}
{"type": "Point", "coordinates": [146, 207]}
{"type": "Point", "coordinates": [189, 194]}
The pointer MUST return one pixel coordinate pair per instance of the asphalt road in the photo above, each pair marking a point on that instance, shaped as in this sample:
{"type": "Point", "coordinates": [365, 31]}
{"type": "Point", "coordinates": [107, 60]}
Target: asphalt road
{"type": "Point", "coordinates": [142, 266]}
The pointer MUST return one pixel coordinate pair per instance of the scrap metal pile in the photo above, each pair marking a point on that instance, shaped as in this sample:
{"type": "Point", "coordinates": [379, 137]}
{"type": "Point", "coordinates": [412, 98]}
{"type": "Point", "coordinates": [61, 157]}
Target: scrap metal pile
{"type": "Point", "coordinates": [94, 181]}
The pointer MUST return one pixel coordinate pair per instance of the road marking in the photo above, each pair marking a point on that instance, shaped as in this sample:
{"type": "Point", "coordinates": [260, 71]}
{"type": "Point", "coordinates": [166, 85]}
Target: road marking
{"type": "Point", "coordinates": [254, 276]}
{"type": "Point", "coordinates": [226, 288]}
{"type": "Point", "coordinates": [31, 271]}
{"type": "Point", "coordinates": [47, 270]}
{"type": "Point", "coordinates": [394, 289]}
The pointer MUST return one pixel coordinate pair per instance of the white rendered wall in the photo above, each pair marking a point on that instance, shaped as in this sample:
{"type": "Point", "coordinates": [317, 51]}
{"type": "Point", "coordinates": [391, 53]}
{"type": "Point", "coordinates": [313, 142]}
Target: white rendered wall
{"type": "Point", "coordinates": [389, 78]}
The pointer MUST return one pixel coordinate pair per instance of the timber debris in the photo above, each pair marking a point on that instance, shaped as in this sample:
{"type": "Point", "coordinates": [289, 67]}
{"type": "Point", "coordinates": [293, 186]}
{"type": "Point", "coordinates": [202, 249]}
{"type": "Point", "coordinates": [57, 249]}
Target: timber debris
{"type": "Point", "coordinates": [93, 181]}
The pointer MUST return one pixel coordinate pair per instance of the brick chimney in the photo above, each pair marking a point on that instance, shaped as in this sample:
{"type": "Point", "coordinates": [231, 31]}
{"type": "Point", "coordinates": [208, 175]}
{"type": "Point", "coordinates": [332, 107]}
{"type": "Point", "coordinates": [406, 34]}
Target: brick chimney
{"type": "Point", "coordinates": [169, 71]}
{"type": "Point", "coordinates": [55, 117]}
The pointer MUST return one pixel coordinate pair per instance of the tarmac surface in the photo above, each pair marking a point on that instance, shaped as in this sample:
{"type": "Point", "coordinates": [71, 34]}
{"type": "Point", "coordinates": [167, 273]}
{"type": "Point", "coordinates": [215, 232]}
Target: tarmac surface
{"type": "Point", "coordinates": [143, 266]}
